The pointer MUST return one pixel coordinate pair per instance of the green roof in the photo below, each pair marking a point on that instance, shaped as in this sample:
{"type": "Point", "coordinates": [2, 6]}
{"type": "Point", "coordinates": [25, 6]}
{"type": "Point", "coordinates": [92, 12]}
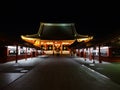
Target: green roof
{"type": "Point", "coordinates": [57, 31]}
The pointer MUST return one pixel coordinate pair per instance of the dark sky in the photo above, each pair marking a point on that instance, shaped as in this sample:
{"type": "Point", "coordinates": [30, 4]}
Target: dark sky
{"type": "Point", "coordinates": [91, 18]}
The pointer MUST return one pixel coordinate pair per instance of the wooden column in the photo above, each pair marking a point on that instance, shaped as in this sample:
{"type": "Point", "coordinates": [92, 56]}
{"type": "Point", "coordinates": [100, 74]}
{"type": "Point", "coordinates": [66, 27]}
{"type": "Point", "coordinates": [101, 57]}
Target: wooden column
{"type": "Point", "coordinates": [84, 54]}
{"type": "Point", "coordinates": [90, 54]}
{"type": "Point", "coordinates": [109, 51]}
{"type": "Point", "coordinates": [61, 47]}
{"type": "Point", "coordinates": [26, 54]}
{"type": "Point", "coordinates": [99, 54]}
{"type": "Point", "coordinates": [16, 60]}
{"type": "Point", "coordinates": [78, 52]}
{"type": "Point", "coordinates": [53, 48]}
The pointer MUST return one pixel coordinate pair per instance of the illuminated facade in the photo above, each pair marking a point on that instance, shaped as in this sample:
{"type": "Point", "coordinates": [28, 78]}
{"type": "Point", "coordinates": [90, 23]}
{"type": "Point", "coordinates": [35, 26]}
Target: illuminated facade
{"type": "Point", "coordinates": [55, 38]}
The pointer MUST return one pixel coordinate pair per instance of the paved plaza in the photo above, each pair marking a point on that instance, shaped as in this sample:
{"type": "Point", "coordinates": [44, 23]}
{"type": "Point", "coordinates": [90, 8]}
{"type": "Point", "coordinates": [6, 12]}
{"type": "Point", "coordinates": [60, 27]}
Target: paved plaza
{"type": "Point", "coordinates": [57, 73]}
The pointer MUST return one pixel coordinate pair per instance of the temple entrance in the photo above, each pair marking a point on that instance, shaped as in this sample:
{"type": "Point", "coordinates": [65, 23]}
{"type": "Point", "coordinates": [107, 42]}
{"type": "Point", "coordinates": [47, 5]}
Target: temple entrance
{"type": "Point", "coordinates": [54, 38]}
{"type": "Point", "coordinates": [57, 48]}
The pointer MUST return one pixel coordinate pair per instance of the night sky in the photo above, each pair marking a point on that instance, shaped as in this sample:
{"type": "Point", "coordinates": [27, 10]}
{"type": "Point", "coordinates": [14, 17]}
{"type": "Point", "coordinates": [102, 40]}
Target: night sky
{"type": "Point", "coordinates": [24, 17]}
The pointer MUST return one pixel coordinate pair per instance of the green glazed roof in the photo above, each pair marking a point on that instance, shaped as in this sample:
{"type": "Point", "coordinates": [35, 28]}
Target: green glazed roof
{"type": "Point", "coordinates": [57, 31]}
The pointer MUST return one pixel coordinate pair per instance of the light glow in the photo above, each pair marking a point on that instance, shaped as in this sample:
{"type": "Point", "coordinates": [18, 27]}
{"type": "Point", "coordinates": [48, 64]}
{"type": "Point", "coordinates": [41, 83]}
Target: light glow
{"type": "Point", "coordinates": [57, 24]}
{"type": "Point", "coordinates": [84, 39]}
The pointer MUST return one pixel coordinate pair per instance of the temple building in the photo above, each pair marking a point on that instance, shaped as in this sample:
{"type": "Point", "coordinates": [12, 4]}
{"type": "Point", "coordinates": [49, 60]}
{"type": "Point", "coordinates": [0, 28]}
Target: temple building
{"type": "Point", "coordinates": [54, 38]}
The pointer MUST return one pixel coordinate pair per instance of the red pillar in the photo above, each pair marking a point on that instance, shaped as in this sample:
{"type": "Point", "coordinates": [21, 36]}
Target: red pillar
{"type": "Point", "coordinates": [16, 53]}
{"type": "Point", "coordinates": [26, 54]}
{"type": "Point", "coordinates": [109, 51]}
{"type": "Point", "coordinates": [99, 54]}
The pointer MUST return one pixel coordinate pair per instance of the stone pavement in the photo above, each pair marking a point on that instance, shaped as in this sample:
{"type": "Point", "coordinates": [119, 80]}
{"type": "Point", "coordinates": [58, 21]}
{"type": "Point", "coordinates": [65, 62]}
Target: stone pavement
{"type": "Point", "coordinates": [54, 73]}
{"type": "Point", "coordinates": [11, 71]}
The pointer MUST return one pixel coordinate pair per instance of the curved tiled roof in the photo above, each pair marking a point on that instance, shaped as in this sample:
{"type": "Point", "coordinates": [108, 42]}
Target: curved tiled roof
{"type": "Point", "coordinates": [57, 31]}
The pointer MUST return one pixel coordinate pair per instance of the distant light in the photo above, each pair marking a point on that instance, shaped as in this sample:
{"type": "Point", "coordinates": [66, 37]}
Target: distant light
{"type": "Point", "coordinates": [12, 47]}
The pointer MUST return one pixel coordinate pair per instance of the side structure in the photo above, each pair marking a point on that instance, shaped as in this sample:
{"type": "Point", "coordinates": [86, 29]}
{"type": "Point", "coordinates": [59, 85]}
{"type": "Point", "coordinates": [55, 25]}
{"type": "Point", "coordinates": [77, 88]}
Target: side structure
{"type": "Point", "coordinates": [54, 38]}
